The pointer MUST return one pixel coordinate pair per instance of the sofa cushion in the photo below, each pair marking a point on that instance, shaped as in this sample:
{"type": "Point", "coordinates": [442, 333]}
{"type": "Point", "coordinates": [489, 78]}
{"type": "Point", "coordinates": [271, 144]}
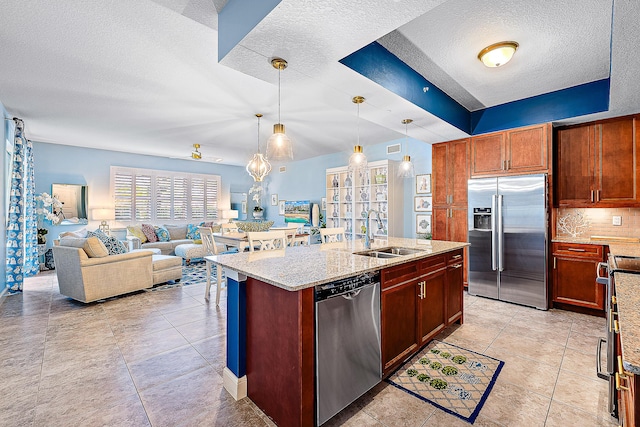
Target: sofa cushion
{"type": "Point", "coordinates": [162, 233]}
{"type": "Point", "coordinates": [93, 247]}
{"type": "Point", "coordinates": [149, 232]}
{"type": "Point", "coordinates": [177, 232]}
{"type": "Point", "coordinates": [166, 248]}
{"type": "Point", "coordinates": [192, 232]}
{"type": "Point", "coordinates": [136, 230]}
{"type": "Point", "coordinates": [113, 245]}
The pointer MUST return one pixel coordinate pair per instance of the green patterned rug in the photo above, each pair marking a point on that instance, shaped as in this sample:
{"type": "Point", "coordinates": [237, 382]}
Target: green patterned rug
{"type": "Point", "coordinates": [452, 378]}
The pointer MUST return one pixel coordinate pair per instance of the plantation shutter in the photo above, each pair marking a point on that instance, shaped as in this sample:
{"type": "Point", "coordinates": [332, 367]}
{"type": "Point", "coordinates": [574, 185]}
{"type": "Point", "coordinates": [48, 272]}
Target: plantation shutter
{"type": "Point", "coordinates": [143, 197]}
{"type": "Point", "coordinates": [122, 184]}
{"type": "Point", "coordinates": [211, 199]}
{"type": "Point", "coordinates": [163, 197]}
{"type": "Point", "coordinates": [197, 198]}
{"type": "Point", "coordinates": [180, 198]}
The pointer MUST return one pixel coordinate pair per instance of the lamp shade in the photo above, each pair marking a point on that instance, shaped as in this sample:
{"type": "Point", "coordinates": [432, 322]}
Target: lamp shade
{"type": "Point", "coordinates": [103, 214]}
{"type": "Point", "coordinates": [230, 214]}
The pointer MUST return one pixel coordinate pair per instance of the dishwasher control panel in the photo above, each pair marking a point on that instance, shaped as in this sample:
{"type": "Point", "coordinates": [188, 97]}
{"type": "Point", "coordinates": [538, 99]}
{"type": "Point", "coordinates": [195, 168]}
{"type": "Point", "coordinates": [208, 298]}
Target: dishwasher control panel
{"type": "Point", "coordinates": [346, 285]}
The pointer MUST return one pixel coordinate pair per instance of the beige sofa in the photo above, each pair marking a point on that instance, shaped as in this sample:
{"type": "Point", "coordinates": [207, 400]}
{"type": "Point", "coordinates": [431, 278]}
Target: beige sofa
{"type": "Point", "coordinates": [86, 272]}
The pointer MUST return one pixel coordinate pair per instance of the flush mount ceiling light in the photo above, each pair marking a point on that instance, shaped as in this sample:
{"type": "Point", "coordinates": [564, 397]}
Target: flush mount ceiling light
{"type": "Point", "coordinates": [196, 154]}
{"type": "Point", "coordinates": [497, 54]}
{"type": "Point", "coordinates": [258, 167]}
{"type": "Point", "coordinates": [405, 170]}
{"type": "Point", "coordinates": [279, 145]}
{"type": "Point", "coordinates": [357, 160]}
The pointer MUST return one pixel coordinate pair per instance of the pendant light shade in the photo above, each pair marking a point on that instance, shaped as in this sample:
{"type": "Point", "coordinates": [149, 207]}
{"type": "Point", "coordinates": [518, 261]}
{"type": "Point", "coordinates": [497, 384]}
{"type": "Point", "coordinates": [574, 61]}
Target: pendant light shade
{"type": "Point", "coordinates": [406, 170]}
{"type": "Point", "coordinates": [279, 145]}
{"type": "Point", "coordinates": [358, 161]}
{"type": "Point", "coordinates": [258, 167]}
{"type": "Point", "coordinates": [497, 54]}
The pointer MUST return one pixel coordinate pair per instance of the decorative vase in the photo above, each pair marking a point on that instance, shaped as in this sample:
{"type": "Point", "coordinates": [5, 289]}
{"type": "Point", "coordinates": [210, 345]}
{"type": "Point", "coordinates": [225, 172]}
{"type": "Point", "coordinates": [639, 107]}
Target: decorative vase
{"type": "Point", "coordinates": [315, 215]}
{"type": "Point", "coordinates": [258, 214]}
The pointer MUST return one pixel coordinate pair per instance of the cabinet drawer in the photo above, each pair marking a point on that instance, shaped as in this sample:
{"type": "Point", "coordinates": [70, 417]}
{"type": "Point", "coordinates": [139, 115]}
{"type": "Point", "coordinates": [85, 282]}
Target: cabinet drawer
{"type": "Point", "coordinates": [578, 250]}
{"type": "Point", "coordinates": [432, 264]}
{"type": "Point", "coordinates": [394, 275]}
{"type": "Point", "coordinates": [454, 257]}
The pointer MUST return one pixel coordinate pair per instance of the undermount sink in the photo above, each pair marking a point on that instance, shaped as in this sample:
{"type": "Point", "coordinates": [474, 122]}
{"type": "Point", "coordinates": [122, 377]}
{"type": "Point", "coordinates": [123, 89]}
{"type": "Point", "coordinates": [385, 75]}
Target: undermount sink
{"type": "Point", "coordinates": [391, 252]}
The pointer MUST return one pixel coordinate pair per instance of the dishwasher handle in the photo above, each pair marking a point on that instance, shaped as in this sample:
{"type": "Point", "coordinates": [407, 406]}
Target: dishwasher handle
{"type": "Point", "coordinates": [349, 294]}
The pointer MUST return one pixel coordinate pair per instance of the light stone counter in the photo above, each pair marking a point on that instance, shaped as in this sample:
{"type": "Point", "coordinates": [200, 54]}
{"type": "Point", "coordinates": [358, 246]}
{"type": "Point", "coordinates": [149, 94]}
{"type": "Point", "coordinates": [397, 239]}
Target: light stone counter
{"type": "Point", "coordinates": [625, 249]}
{"type": "Point", "coordinates": [301, 267]}
{"type": "Point", "coordinates": [628, 299]}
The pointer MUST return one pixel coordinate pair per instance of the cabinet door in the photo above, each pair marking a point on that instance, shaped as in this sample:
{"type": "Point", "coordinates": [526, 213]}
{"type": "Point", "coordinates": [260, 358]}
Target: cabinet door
{"type": "Point", "coordinates": [487, 155]}
{"type": "Point", "coordinates": [454, 292]}
{"type": "Point", "coordinates": [440, 165]}
{"type": "Point", "coordinates": [576, 162]}
{"type": "Point", "coordinates": [574, 282]}
{"type": "Point", "coordinates": [458, 167]}
{"type": "Point", "coordinates": [398, 322]}
{"type": "Point", "coordinates": [616, 172]}
{"type": "Point", "coordinates": [439, 223]}
{"type": "Point", "coordinates": [527, 150]}
{"type": "Point", "coordinates": [431, 312]}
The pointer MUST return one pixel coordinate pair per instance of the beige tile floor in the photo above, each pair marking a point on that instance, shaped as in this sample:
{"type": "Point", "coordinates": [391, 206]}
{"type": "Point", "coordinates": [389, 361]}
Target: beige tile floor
{"type": "Point", "coordinates": [156, 358]}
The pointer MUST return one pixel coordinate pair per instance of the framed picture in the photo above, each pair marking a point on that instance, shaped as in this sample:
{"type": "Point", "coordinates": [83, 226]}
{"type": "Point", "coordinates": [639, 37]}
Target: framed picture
{"type": "Point", "coordinates": [423, 223]}
{"type": "Point", "coordinates": [281, 207]}
{"type": "Point", "coordinates": [274, 200]}
{"type": "Point", "coordinates": [423, 183]}
{"type": "Point", "coordinates": [422, 203]}
{"type": "Point", "coordinates": [323, 204]}
{"type": "Point", "coordinates": [244, 206]}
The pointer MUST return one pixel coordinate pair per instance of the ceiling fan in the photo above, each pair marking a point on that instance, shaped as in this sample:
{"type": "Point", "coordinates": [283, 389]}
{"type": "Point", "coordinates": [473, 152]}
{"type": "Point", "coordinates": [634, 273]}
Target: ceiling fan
{"type": "Point", "coordinates": [196, 154]}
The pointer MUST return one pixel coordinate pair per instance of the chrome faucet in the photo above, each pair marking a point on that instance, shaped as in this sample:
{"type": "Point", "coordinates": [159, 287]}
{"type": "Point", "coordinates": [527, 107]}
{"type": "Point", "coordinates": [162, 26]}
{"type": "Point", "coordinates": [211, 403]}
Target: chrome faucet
{"type": "Point", "coordinates": [368, 239]}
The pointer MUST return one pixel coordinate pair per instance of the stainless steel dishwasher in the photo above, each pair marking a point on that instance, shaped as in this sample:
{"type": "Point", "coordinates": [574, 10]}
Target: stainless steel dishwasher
{"type": "Point", "coordinates": [348, 360]}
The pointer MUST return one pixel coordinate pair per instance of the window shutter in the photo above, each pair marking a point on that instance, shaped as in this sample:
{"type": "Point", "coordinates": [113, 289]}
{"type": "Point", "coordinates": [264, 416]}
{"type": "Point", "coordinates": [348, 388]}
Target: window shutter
{"type": "Point", "coordinates": [212, 199]}
{"type": "Point", "coordinates": [180, 198]}
{"type": "Point", "coordinates": [197, 198]}
{"type": "Point", "coordinates": [163, 197]}
{"type": "Point", "coordinates": [142, 197]}
{"type": "Point", "coordinates": [122, 184]}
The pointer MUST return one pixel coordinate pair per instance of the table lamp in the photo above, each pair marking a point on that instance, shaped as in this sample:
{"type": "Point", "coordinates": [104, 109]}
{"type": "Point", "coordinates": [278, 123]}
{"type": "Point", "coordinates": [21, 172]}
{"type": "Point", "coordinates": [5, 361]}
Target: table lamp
{"type": "Point", "coordinates": [230, 214]}
{"type": "Point", "coordinates": [103, 215]}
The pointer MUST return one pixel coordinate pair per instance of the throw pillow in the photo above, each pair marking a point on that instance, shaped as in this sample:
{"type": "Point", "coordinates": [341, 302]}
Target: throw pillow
{"type": "Point", "coordinates": [192, 232]}
{"type": "Point", "coordinates": [177, 232]}
{"type": "Point", "coordinates": [149, 232]}
{"type": "Point", "coordinates": [136, 230]}
{"type": "Point", "coordinates": [95, 248]}
{"type": "Point", "coordinates": [162, 233]}
{"type": "Point", "coordinates": [114, 246]}
{"type": "Point", "coordinates": [212, 225]}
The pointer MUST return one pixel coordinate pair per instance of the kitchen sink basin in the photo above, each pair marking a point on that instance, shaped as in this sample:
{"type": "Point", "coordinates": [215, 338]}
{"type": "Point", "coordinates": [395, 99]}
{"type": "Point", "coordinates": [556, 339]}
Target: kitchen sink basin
{"type": "Point", "coordinates": [391, 252]}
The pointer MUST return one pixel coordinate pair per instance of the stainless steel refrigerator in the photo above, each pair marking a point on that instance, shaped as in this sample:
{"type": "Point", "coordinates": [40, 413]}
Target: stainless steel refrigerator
{"type": "Point", "coordinates": [508, 236]}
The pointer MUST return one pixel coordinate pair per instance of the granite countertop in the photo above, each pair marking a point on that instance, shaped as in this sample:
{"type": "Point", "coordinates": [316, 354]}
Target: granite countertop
{"type": "Point", "coordinates": [628, 300]}
{"type": "Point", "coordinates": [301, 267]}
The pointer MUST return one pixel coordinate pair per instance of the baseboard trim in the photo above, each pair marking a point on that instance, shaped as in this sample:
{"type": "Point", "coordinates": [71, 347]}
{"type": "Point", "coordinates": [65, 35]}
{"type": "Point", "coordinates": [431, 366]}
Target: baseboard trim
{"type": "Point", "coordinates": [237, 387]}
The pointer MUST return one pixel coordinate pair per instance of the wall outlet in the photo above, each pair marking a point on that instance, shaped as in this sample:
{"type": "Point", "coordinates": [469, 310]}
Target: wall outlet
{"type": "Point", "coordinates": [617, 220]}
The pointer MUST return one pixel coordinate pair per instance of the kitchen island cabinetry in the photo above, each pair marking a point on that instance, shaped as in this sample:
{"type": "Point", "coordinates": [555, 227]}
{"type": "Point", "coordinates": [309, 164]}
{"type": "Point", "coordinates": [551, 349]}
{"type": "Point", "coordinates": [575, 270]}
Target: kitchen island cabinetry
{"type": "Point", "coordinates": [598, 164]}
{"type": "Point", "coordinates": [516, 151]}
{"type": "Point", "coordinates": [574, 275]}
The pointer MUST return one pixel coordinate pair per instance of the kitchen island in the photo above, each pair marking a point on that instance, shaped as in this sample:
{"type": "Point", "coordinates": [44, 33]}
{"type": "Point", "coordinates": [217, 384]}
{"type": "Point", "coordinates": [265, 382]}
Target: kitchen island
{"type": "Point", "coordinates": [271, 313]}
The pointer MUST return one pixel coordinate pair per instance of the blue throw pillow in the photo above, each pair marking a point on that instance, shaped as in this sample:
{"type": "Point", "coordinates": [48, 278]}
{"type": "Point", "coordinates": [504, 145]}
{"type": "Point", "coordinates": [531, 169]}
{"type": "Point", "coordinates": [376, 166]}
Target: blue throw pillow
{"type": "Point", "coordinates": [114, 246]}
{"type": "Point", "coordinates": [162, 233]}
{"type": "Point", "coordinates": [192, 232]}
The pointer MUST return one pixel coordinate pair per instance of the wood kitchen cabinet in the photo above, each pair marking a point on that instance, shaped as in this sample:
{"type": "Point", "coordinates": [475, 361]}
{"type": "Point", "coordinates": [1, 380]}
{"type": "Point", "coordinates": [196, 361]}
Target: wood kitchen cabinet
{"type": "Point", "coordinates": [598, 164]}
{"type": "Point", "coordinates": [418, 300]}
{"type": "Point", "coordinates": [574, 276]}
{"type": "Point", "coordinates": [515, 151]}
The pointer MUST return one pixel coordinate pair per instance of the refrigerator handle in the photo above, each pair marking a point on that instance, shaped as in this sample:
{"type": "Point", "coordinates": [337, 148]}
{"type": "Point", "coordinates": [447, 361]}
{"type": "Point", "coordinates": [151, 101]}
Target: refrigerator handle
{"type": "Point", "coordinates": [500, 235]}
{"type": "Point", "coordinates": [494, 234]}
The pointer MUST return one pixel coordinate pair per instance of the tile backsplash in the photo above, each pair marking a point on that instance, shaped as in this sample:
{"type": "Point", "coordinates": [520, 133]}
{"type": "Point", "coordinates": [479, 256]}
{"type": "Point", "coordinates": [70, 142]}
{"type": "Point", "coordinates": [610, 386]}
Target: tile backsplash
{"type": "Point", "coordinates": [600, 222]}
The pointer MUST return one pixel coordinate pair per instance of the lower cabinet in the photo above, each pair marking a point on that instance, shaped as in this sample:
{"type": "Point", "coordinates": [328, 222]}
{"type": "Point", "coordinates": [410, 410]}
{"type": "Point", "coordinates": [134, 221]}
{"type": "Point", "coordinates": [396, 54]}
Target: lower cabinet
{"type": "Point", "coordinates": [418, 300]}
{"type": "Point", "coordinates": [574, 275]}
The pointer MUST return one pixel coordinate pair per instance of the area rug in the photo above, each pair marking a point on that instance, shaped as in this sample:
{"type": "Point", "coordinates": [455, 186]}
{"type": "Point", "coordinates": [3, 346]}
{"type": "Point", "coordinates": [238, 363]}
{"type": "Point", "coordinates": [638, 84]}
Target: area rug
{"type": "Point", "coordinates": [192, 274]}
{"type": "Point", "coordinates": [452, 378]}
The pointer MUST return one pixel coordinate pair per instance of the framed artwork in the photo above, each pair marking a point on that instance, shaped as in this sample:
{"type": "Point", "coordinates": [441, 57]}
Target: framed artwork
{"type": "Point", "coordinates": [281, 207]}
{"type": "Point", "coordinates": [323, 204]}
{"type": "Point", "coordinates": [244, 206]}
{"type": "Point", "coordinates": [274, 200]}
{"type": "Point", "coordinates": [423, 183]}
{"type": "Point", "coordinates": [423, 223]}
{"type": "Point", "coordinates": [422, 203]}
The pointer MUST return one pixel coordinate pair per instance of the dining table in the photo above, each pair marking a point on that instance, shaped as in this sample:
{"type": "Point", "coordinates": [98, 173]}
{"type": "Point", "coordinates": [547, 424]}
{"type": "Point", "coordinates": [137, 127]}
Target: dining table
{"type": "Point", "coordinates": [237, 240]}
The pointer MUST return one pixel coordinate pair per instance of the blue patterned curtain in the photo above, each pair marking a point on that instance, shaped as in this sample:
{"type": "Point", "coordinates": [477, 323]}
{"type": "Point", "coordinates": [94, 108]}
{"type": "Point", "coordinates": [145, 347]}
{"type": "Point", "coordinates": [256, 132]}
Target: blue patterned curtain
{"type": "Point", "coordinates": [22, 227]}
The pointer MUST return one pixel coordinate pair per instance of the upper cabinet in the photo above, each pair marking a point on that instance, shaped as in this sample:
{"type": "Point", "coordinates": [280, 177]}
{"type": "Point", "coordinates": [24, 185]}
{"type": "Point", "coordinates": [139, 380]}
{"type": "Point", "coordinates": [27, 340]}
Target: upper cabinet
{"type": "Point", "coordinates": [449, 176]}
{"type": "Point", "coordinates": [597, 164]}
{"type": "Point", "coordinates": [515, 151]}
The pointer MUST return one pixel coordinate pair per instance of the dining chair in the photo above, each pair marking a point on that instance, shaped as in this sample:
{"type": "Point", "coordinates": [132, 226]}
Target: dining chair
{"type": "Point", "coordinates": [299, 238]}
{"type": "Point", "coordinates": [210, 248]}
{"type": "Point", "coordinates": [332, 235]}
{"type": "Point", "coordinates": [267, 240]}
{"type": "Point", "coordinates": [228, 227]}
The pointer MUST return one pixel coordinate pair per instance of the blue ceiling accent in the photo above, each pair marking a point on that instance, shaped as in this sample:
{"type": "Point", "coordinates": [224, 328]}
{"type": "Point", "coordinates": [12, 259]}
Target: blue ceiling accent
{"type": "Point", "coordinates": [378, 64]}
{"type": "Point", "coordinates": [381, 66]}
{"type": "Point", "coordinates": [237, 18]}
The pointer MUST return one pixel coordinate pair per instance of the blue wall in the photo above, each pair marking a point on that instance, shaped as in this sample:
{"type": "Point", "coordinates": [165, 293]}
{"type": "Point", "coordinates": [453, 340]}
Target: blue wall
{"type": "Point", "coordinates": [63, 164]}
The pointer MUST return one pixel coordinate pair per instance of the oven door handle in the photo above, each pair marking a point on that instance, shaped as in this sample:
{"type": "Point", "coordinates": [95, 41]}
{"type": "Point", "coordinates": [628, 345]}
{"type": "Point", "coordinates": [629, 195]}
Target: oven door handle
{"type": "Point", "coordinates": [602, 375]}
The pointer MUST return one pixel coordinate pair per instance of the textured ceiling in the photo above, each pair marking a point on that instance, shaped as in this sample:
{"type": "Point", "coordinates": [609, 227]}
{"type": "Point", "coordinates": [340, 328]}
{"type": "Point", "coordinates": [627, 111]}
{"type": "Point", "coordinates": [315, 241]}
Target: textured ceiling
{"type": "Point", "coordinates": [144, 77]}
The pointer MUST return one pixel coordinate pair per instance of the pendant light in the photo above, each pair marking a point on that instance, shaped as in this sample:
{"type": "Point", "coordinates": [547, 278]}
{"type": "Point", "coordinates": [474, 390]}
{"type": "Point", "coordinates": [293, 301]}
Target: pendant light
{"type": "Point", "coordinates": [405, 170]}
{"type": "Point", "coordinates": [258, 167]}
{"type": "Point", "coordinates": [358, 160]}
{"type": "Point", "coordinates": [279, 145]}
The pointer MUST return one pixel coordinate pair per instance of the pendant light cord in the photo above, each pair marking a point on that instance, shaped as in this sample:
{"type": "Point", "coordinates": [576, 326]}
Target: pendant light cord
{"type": "Point", "coordinates": [279, 71]}
{"type": "Point", "coordinates": [358, 126]}
{"type": "Point", "coordinates": [258, 135]}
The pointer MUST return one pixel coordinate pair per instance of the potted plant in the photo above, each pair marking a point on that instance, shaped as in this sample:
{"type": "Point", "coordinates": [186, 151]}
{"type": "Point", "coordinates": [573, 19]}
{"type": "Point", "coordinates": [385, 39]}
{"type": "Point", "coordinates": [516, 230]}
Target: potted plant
{"type": "Point", "coordinates": [42, 236]}
{"type": "Point", "coordinates": [257, 190]}
{"type": "Point", "coordinates": [258, 212]}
